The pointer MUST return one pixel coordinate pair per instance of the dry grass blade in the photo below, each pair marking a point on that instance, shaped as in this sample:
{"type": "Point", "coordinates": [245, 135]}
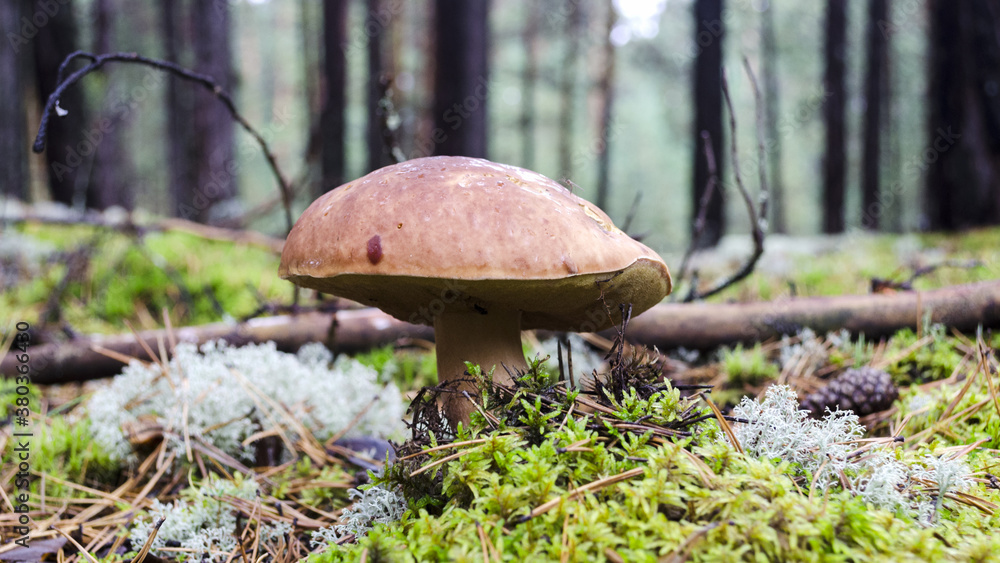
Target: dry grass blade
{"type": "Point", "coordinates": [446, 447]}
{"type": "Point", "coordinates": [589, 487]}
{"type": "Point", "coordinates": [724, 424]}
{"type": "Point", "coordinates": [445, 459]}
{"type": "Point", "coordinates": [139, 557]}
{"type": "Point", "coordinates": [76, 544]}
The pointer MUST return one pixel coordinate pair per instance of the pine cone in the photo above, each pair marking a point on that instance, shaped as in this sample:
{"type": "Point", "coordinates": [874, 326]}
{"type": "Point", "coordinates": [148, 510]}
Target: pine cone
{"type": "Point", "coordinates": [863, 390]}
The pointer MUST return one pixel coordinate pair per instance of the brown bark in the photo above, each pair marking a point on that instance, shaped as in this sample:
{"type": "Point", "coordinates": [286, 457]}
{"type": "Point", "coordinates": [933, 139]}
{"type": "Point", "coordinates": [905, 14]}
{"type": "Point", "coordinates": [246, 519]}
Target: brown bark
{"type": "Point", "coordinates": [355, 330]}
{"type": "Point", "coordinates": [702, 325]}
{"type": "Point", "coordinates": [380, 72]}
{"type": "Point", "coordinates": [666, 326]}
{"type": "Point", "coordinates": [834, 159]}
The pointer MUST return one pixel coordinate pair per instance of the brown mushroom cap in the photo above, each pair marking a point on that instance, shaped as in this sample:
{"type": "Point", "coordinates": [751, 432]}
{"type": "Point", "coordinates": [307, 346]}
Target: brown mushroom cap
{"type": "Point", "coordinates": [430, 233]}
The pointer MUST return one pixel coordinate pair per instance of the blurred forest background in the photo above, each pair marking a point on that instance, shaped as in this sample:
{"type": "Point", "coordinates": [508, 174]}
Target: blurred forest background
{"type": "Point", "coordinates": [876, 114]}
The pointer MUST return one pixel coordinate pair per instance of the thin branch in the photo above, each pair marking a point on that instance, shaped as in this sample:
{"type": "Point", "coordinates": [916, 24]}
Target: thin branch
{"type": "Point", "coordinates": [699, 223]}
{"type": "Point", "coordinates": [758, 222]}
{"type": "Point", "coordinates": [98, 61]}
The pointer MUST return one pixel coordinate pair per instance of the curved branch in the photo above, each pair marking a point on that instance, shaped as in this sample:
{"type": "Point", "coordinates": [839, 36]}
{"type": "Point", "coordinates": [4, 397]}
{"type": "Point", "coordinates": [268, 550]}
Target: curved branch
{"type": "Point", "coordinates": [97, 61]}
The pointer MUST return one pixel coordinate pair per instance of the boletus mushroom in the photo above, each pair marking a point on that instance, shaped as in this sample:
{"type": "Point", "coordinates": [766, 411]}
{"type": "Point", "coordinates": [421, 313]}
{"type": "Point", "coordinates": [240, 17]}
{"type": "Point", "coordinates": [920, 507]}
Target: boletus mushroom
{"type": "Point", "coordinates": [478, 250]}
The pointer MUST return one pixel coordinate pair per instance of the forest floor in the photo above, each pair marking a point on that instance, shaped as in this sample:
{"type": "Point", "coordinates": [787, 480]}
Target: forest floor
{"type": "Point", "coordinates": [249, 452]}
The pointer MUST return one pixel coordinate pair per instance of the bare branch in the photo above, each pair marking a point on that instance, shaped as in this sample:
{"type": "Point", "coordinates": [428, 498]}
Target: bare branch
{"type": "Point", "coordinates": [98, 61]}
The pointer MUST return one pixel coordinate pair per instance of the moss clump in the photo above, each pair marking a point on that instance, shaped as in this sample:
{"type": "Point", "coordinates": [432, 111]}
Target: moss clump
{"type": "Point", "coordinates": [536, 479]}
{"type": "Point", "coordinates": [748, 367]}
{"type": "Point", "coordinates": [914, 362]}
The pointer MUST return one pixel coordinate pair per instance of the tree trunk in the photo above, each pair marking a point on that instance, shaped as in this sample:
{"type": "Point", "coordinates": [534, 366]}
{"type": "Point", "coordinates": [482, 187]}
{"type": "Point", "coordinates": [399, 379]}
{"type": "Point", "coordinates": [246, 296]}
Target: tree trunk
{"type": "Point", "coordinates": [962, 158]}
{"type": "Point", "coordinates": [179, 111]}
{"type": "Point", "coordinates": [575, 23]}
{"type": "Point", "coordinates": [461, 77]}
{"type": "Point", "coordinates": [216, 167]}
{"type": "Point", "coordinates": [772, 94]}
{"type": "Point", "coordinates": [529, 80]}
{"type": "Point", "coordinates": [335, 94]}
{"type": "Point", "coordinates": [379, 74]}
{"type": "Point", "coordinates": [709, 35]}
{"type": "Point", "coordinates": [67, 154]}
{"type": "Point", "coordinates": [835, 54]}
{"type": "Point", "coordinates": [871, 208]}
{"type": "Point", "coordinates": [13, 132]}
{"type": "Point", "coordinates": [606, 86]}
{"type": "Point", "coordinates": [112, 175]}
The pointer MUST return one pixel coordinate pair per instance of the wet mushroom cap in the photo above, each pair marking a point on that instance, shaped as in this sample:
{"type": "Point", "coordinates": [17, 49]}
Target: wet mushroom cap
{"type": "Point", "coordinates": [453, 232]}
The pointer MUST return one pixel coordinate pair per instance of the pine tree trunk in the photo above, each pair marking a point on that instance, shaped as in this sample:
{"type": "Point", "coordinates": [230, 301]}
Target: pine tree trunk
{"type": "Point", "coordinates": [13, 132]}
{"type": "Point", "coordinates": [461, 77]}
{"type": "Point", "coordinates": [606, 86]}
{"type": "Point", "coordinates": [871, 210]}
{"type": "Point", "coordinates": [962, 158]}
{"type": "Point", "coordinates": [68, 155]}
{"type": "Point", "coordinates": [709, 36]}
{"type": "Point", "coordinates": [215, 168]}
{"type": "Point", "coordinates": [379, 73]}
{"type": "Point", "coordinates": [335, 98]}
{"type": "Point", "coordinates": [529, 79]}
{"type": "Point", "coordinates": [772, 96]}
{"type": "Point", "coordinates": [179, 111]}
{"type": "Point", "coordinates": [834, 161]}
{"type": "Point", "coordinates": [575, 23]}
{"type": "Point", "coordinates": [113, 175]}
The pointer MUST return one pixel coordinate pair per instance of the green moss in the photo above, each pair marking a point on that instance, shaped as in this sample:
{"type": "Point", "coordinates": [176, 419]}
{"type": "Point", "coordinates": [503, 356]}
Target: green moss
{"type": "Point", "coordinates": [913, 363]}
{"type": "Point", "coordinates": [196, 280]}
{"type": "Point", "coordinates": [748, 367]}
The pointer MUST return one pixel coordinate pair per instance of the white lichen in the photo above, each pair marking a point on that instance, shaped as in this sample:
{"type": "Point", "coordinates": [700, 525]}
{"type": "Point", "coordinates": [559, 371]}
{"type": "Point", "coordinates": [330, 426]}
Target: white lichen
{"type": "Point", "coordinates": [224, 394]}
{"type": "Point", "coordinates": [375, 505]}
{"type": "Point", "coordinates": [827, 453]}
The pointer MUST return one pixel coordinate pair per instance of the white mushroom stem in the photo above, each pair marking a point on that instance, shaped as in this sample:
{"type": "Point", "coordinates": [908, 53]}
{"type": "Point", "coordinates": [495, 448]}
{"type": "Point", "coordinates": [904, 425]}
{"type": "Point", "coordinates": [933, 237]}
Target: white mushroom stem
{"type": "Point", "coordinates": [492, 341]}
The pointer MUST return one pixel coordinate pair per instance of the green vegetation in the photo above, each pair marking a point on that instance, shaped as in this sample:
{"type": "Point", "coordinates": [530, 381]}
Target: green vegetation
{"type": "Point", "coordinates": [748, 367]}
{"type": "Point", "coordinates": [118, 279]}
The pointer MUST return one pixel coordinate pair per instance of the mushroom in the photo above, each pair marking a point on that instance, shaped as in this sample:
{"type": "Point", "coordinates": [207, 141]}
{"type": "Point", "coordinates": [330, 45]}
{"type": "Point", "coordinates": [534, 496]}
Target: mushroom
{"type": "Point", "coordinates": [477, 249]}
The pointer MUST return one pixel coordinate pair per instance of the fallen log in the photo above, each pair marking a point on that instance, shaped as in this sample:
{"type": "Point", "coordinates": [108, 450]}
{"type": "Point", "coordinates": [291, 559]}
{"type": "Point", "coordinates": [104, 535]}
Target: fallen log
{"type": "Point", "coordinates": [667, 326]}
{"type": "Point", "coordinates": [76, 360]}
{"type": "Point", "coordinates": [708, 325]}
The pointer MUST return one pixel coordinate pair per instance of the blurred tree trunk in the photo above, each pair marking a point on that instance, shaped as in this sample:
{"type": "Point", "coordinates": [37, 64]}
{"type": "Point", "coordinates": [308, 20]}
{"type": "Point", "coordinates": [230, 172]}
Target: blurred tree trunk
{"type": "Point", "coordinates": [335, 94]}
{"type": "Point", "coordinates": [68, 154]}
{"type": "Point", "coordinates": [835, 54]}
{"type": "Point", "coordinates": [769, 71]}
{"type": "Point", "coordinates": [606, 86]}
{"type": "Point", "coordinates": [962, 158]}
{"type": "Point", "coordinates": [266, 23]}
{"type": "Point", "coordinates": [529, 80]}
{"type": "Point", "coordinates": [179, 110]}
{"type": "Point", "coordinates": [875, 101]}
{"type": "Point", "coordinates": [216, 169]}
{"type": "Point", "coordinates": [112, 175]}
{"type": "Point", "coordinates": [13, 133]}
{"type": "Point", "coordinates": [575, 23]}
{"type": "Point", "coordinates": [709, 33]}
{"type": "Point", "coordinates": [380, 73]}
{"type": "Point", "coordinates": [461, 77]}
